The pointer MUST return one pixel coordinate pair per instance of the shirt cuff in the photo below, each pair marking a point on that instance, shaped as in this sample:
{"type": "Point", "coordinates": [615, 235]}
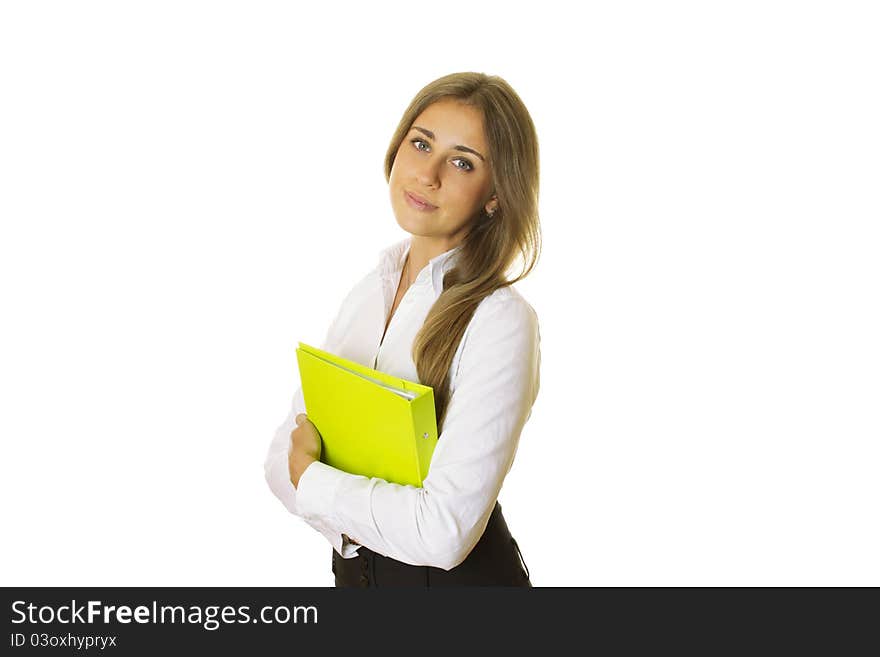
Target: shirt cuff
{"type": "Point", "coordinates": [349, 550]}
{"type": "Point", "coordinates": [316, 493]}
{"type": "Point", "coordinates": [333, 537]}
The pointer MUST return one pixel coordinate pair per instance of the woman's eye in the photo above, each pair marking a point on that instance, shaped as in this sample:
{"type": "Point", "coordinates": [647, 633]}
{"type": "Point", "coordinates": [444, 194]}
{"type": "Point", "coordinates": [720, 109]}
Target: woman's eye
{"type": "Point", "coordinates": [467, 166]}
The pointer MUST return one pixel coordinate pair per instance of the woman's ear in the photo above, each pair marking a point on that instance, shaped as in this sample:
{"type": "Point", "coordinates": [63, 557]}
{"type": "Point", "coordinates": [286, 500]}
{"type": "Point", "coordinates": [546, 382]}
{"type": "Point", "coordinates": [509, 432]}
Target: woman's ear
{"type": "Point", "coordinates": [491, 207]}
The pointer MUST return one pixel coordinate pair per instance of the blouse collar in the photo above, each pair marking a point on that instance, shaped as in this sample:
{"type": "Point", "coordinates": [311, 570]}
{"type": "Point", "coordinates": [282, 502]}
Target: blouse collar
{"type": "Point", "coordinates": [391, 263]}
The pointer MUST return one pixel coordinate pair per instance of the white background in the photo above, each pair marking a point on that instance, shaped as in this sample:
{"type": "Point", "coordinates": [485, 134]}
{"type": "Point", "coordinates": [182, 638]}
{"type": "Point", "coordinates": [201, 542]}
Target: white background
{"type": "Point", "coordinates": [188, 189]}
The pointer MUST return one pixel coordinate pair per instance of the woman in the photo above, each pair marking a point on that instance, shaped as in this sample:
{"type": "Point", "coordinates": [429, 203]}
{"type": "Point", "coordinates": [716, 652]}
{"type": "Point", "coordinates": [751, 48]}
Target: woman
{"type": "Point", "coordinates": [462, 170]}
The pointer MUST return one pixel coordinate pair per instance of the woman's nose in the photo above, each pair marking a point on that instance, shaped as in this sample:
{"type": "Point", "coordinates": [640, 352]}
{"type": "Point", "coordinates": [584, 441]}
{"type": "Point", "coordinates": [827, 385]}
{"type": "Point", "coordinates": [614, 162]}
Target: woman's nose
{"type": "Point", "coordinates": [428, 173]}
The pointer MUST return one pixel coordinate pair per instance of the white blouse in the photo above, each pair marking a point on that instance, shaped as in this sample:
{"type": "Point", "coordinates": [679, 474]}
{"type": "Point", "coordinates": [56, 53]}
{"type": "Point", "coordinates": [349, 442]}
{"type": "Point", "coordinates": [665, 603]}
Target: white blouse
{"type": "Point", "coordinates": [494, 383]}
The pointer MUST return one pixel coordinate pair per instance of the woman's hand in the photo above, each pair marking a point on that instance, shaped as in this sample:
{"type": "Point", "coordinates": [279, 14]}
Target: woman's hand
{"type": "Point", "coordinates": [305, 448]}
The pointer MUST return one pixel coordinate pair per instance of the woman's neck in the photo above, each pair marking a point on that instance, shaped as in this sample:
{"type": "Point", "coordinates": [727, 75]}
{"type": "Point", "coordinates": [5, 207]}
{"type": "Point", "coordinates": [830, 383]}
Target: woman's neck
{"type": "Point", "coordinates": [421, 251]}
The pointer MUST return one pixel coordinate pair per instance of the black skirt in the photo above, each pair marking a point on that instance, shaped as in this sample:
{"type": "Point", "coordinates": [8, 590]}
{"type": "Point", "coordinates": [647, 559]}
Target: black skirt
{"type": "Point", "coordinates": [494, 561]}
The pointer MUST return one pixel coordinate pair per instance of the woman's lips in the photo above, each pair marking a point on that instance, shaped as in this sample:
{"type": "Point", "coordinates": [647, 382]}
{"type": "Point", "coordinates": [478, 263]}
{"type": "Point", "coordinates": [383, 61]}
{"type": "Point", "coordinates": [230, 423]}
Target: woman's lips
{"type": "Point", "coordinates": [417, 204]}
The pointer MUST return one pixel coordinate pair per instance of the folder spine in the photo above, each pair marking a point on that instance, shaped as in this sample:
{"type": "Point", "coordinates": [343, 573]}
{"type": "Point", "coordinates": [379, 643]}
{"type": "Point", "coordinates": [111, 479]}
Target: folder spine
{"type": "Point", "coordinates": [425, 424]}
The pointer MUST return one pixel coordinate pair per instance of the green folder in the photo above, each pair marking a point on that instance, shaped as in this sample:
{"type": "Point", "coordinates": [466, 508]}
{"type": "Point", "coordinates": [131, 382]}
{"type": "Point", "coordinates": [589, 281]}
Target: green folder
{"type": "Point", "coordinates": [371, 423]}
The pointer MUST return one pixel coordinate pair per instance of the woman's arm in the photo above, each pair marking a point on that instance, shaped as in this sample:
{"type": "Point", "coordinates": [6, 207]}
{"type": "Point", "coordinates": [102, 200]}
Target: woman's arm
{"type": "Point", "coordinates": [438, 525]}
{"type": "Point", "coordinates": [278, 477]}
{"type": "Point", "coordinates": [277, 465]}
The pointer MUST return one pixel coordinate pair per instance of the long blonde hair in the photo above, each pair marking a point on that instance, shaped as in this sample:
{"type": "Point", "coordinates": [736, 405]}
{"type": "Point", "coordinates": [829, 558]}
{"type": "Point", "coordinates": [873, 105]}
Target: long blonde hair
{"type": "Point", "coordinates": [494, 243]}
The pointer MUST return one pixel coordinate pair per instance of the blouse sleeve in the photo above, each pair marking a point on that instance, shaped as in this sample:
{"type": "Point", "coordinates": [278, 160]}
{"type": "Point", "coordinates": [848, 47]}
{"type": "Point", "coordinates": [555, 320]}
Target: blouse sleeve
{"type": "Point", "coordinates": [437, 525]}
{"type": "Point", "coordinates": [276, 465]}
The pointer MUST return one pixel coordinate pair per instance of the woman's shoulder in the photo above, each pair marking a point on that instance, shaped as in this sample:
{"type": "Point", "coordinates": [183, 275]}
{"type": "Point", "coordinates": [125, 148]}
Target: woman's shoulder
{"type": "Point", "coordinates": [505, 308]}
{"type": "Point", "coordinates": [504, 328]}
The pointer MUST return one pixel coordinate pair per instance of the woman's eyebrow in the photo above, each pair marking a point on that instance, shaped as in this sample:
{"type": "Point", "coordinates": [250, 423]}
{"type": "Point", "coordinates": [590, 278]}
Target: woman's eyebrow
{"type": "Point", "coordinates": [458, 147]}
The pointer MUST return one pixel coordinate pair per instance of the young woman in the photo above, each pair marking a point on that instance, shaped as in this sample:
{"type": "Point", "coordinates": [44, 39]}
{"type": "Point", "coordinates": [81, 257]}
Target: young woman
{"type": "Point", "coordinates": [462, 170]}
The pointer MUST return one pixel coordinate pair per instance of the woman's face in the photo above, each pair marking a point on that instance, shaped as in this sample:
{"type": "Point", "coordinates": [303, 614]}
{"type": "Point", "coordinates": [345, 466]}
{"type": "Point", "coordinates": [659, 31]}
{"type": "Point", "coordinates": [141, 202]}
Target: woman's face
{"type": "Point", "coordinates": [442, 160]}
